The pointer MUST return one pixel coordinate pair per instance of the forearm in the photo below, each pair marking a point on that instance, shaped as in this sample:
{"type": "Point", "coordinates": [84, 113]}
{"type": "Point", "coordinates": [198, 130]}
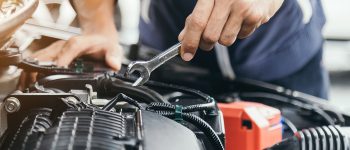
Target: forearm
{"type": "Point", "coordinates": [96, 15]}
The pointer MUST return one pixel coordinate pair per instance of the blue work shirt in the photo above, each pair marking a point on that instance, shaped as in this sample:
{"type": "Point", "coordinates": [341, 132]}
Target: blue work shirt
{"type": "Point", "coordinates": [275, 50]}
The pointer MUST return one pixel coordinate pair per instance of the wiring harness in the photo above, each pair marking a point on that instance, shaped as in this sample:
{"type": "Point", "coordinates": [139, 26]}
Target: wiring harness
{"type": "Point", "coordinates": [176, 112]}
{"type": "Point", "coordinates": [180, 113]}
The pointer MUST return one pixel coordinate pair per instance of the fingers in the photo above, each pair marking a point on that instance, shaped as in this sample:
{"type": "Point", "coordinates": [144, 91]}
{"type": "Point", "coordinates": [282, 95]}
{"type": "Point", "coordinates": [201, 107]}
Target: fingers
{"type": "Point", "coordinates": [25, 79]}
{"type": "Point", "coordinates": [231, 29]}
{"type": "Point", "coordinates": [194, 27]}
{"type": "Point", "coordinates": [246, 30]}
{"type": "Point", "coordinates": [244, 19]}
{"type": "Point", "coordinates": [64, 52]}
{"type": "Point", "coordinates": [114, 58]}
{"type": "Point", "coordinates": [71, 50]}
{"type": "Point", "coordinates": [250, 23]}
{"type": "Point", "coordinates": [223, 21]}
{"type": "Point", "coordinates": [22, 81]}
{"type": "Point", "coordinates": [215, 25]}
{"type": "Point", "coordinates": [49, 53]}
{"type": "Point", "coordinates": [96, 47]}
{"type": "Point", "coordinates": [181, 35]}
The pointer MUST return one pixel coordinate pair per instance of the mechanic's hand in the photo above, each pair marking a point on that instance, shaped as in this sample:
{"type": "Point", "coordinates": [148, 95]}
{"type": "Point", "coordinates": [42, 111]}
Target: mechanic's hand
{"type": "Point", "coordinates": [98, 47]}
{"type": "Point", "coordinates": [223, 21]}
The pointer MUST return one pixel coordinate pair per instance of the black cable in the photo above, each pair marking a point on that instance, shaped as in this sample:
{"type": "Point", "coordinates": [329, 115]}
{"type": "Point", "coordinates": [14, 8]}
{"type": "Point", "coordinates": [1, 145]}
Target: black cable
{"type": "Point", "coordinates": [165, 86]}
{"type": "Point", "coordinates": [168, 111]}
{"type": "Point", "coordinates": [290, 125]}
{"type": "Point", "coordinates": [141, 93]}
{"type": "Point", "coordinates": [320, 112]}
{"type": "Point", "coordinates": [206, 128]}
{"type": "Point", "coordinates": [304, 98]}
{"type": "Point", "coordinates": [316, 109]}
{"type": "Point", "coordinates": [186, 109]}
{"type": "Point", "coordinates": [200, 124]}
{"type": "Point", "coordinates": [118, 98]}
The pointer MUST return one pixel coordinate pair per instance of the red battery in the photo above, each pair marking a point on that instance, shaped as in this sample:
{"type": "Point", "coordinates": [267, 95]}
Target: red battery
{"type": "Point", "coordinates": [251, 126]}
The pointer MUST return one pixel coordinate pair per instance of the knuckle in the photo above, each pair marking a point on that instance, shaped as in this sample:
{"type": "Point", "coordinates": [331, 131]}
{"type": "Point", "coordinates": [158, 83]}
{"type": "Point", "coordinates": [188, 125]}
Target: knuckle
{"type": "Point", "coordinates": [189, 46]}
{"type": "Point", "coordinates": [244, 7]}
{"type": "Point", "coordinates": [197, 22]}
{"type": "Point", "coordinates": [205, 46]}
{"type": "Point", "coordinates": [73, 40]}
{"type": "Point", "coordinates": [72, 46]}
{"type": "Point", "coordinates": [72, 43]}
{"type": "Point", "coordinates": [227, 40]}
{"type": "Point", "coordinates": [245, 32]}
{"type": "Point", "coordinates": [254, 18]}
{"type": "Point", "coordinates": [210, 38]}
{"type": "Point", "coordinates": [188, 19]}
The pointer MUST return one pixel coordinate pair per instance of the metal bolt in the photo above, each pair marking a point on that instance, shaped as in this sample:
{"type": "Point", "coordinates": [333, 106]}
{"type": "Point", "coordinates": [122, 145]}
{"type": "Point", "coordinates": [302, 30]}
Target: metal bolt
{"type": "Point", "coordinates": [12, 105]}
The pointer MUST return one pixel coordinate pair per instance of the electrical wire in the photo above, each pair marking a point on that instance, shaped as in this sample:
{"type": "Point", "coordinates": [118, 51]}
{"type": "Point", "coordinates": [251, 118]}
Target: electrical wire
{"type": "Point", "coordinates": [290, 125]}
{"type": "Point", "coordinates": [165, 86]}
{"type": "Point", "coordinates": [118, 98]}
{"type": "Point", "coordinates": [169, 111]}
{"type": "Point", "coordinates": [304, 98]}
{"type": "Point", "coordinates": [185, 109]}
{"type": "Point", "coordinates": [140, 93]}
{"type": "Point", "coordinates": [326, 117]}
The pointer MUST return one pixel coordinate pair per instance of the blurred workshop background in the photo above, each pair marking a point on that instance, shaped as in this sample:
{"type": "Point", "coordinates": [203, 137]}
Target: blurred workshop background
{"type": "Point", "coordinates": [337, 51]}
{"type": "Point", "coordinates": [336, 32]}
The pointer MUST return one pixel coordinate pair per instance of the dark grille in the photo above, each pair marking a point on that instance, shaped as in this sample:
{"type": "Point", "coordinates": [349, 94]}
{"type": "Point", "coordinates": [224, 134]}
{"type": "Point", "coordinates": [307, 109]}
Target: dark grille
{"type": "Point", "coordinates": [86, 129]}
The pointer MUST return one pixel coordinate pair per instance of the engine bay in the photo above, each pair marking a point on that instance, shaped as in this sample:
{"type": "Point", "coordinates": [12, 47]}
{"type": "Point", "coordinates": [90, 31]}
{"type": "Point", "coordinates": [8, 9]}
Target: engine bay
{"type": "Point", "coordinates": [104, 111]}
{"type": "Point", "coordinates": [185, 106]}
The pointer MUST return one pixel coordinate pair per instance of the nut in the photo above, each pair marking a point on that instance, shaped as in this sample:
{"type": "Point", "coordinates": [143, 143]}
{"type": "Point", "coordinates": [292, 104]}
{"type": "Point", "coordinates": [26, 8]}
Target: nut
{"type": "Point", "coordinates": [12, 105]}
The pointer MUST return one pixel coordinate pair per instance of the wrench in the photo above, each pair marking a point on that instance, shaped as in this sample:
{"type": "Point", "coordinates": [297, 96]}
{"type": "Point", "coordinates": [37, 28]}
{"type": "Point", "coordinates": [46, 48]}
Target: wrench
{"type": "Point", "coordinates": [146, 67]}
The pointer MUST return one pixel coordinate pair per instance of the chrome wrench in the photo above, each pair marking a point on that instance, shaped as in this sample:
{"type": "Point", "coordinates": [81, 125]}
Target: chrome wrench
{"type": "Point", "coordinates": [146, 67]}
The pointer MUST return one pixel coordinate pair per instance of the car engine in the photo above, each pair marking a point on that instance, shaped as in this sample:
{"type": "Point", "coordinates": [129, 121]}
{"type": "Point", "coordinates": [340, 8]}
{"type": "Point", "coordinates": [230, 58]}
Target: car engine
{"type": "Point", "coordinates": [184, 106]}
{"type": "Point", "coordinates": [105, 112]}
{"type": "Point", "coordinates": [93, 110]}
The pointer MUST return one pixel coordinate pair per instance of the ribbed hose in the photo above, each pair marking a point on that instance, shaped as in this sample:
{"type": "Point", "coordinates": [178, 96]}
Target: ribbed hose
{"type": "Point", "coordinates": [168, 110]}
{"type": "Point", "coordinates": [206, 128]}
{"type": "Point", "coordinates": [186, 109]}
{"type": "Point", "coordinates": [324, 138]}
{"type": "Point", "coordinates": [200, 124]}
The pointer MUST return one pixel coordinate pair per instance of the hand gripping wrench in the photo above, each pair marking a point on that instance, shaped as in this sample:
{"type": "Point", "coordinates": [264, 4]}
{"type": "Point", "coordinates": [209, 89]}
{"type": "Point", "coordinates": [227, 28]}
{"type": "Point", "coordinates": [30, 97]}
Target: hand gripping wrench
{"type": "Point", "coordinates": [146, 67]}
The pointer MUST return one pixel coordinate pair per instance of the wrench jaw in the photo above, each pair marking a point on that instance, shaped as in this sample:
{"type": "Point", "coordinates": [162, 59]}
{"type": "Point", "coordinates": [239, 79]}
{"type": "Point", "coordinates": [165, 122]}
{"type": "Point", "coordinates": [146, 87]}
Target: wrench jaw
{"type": "Point", "coordinates": [140, 81]}
{"type": "Point", "coordinates": [141, 69]}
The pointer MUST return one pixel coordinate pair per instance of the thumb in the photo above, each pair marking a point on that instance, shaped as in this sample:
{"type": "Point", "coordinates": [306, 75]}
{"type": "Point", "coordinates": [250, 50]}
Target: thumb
{"type": "Point", "coordinates": [114, 58]}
